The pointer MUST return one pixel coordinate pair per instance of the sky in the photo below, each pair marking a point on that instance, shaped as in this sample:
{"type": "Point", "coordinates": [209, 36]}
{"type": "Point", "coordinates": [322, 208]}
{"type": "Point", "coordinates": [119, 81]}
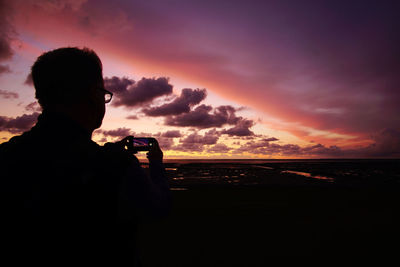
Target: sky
{"type": "Point", "coordinates": [222, 79]}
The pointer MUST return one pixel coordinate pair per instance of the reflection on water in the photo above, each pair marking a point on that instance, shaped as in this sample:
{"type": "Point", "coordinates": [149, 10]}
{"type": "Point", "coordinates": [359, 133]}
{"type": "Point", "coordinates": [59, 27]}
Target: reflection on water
{"type": "Point", "coordinates": [263, 167]}
{"type": "Point", "coordinates": [300, 172]}
{"type": "Point", "coordinates": [178, 189]}
{"type": "Point", "coordinates": [251, 174]}
{"type": "Point", "coordinates": [202, 177]}
{"type": "Point", "coordinates": [306, 174]}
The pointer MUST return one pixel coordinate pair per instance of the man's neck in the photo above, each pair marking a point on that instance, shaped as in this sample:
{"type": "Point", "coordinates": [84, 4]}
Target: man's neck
{"type": "Point", "coordinates": [72, 118]}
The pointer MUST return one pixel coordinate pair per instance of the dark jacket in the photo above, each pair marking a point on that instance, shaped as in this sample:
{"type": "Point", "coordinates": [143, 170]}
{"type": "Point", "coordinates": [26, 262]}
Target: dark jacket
{"type": "Point", "coordinates": [65, 200]}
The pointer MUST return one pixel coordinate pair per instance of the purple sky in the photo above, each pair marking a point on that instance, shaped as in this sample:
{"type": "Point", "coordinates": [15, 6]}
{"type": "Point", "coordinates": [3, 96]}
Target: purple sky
{"type": "Point", "coordinates": [310, 73]}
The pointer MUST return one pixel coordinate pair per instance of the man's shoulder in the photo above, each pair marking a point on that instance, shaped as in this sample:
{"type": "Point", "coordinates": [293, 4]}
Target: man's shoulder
{"type": "Point", "coordinates": [16, 143]}
{"type": "Point", "coordinates": [16, 153]}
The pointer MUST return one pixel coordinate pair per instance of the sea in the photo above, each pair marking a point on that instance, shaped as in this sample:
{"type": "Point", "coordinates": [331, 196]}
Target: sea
{"type": "Point", "coordinates": [186, 174]}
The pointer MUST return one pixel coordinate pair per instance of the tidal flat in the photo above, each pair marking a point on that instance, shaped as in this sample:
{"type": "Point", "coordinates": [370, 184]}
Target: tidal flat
{"type": "Point", "coordinates": [281, 218]}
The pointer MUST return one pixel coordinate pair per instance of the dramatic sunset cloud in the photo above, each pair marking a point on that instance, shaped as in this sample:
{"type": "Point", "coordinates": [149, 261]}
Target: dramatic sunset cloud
{"type": "Point", "coordinates": [205, 116]}
{"type": "Point", "coordinates": [131, 94]}
{"type": "Point", "coordinates": [273, 78]}
{"type": "Point", "coordinates": [197, 142]}
{"type": "Point", "coordinates": [18, 124]}
{"type": "Point", "coordinates": [6, 34]}
{"type": "Point", "coordinates": [242, 128]}
{"type": "Point", "coordinates": [33, 107]}
{"type": "Point", "coordinates": [219, 148]}
{"type": "Point", "coordinates": [179, 105]}
{"type": "Point", "coordinates": [8, 95]}
{"type": "Point", "coordinates": [4, 69]}
{"type": "Point", "coordinates": [170, 134]}
{"type": "Point", "coordinates": [120, 132]}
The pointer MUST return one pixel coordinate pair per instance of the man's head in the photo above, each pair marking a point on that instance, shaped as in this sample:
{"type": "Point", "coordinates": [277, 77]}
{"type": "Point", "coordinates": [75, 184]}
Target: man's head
{"type": "Point", "coordinates": [70, 80]}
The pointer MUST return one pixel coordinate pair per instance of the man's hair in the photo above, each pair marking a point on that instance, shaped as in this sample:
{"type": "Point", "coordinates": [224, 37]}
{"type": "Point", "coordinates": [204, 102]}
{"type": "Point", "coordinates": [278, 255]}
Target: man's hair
{"type": "Point", "coordinates": [64, 75]}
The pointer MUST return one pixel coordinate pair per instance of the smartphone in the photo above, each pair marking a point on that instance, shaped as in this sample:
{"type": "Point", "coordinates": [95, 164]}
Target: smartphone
{"type": "Point", "coordinates": [143, 143]}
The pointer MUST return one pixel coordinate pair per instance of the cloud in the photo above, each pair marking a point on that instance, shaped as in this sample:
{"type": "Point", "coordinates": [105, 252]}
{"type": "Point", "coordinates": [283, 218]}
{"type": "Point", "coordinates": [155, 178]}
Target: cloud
{"type": "Point", "coordinates": [241, 128]}
{"type": "Point", "coordinates": [387, 144]}
{"type": "Point", "coordinates": [59, 5]}
{"type": "Point", "coordinates": [5, 48]}
{"type": "Point", "coordinates": [209, 138]}
{"type": "Point", "coordinates": [29, 80]}
{"type": "Point", "coordinates": [19, 124]}
{"type": "Point", "coordinates": [132, 117]}
{"type": "Point", "coordinates": [4, 69]}
{"type": "Point", "coordinates": [270, 139]}
{"type": "Point", "coordinates": [195, 142]}
{"type": "Point", "coordinates": [261, 147]}
{"type": "Point", "coordinates": [33, 107]}
{"type": "Point", "coordinates": [201, 117]}
{"type": "Point", "coordinates": [8, 94]}
{"type": "Point", "coordinates": [129, 93]}
{"type": "Point", "coordinates": [321, 150]}
{"type": "Point", "coordinates": [179, 113]}
{"type": "Point", "coordinates": [6, 51]}
{"type": "Point", "coordinates": [6, 36]}
{"type": "Point", "coordinates": [204, 116]}
{"type": "Point", "coordinates": [179, 105]}
{"type": "Point", "coordinates": [117, 85]}
{"type": "Point", "coordinates": [171, 134]}
{"type": "Point", "coordinates": [119, 132]}
{"type": "Point", "coordinates": [219, 148]}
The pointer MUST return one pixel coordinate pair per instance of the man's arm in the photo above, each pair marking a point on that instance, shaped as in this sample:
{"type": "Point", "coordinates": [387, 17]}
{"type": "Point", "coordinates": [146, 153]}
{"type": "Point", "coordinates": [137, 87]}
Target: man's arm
{"type": "Point", "coordinates": [144, 195]}
{"type": "Point", "coordinates": [159, 178]}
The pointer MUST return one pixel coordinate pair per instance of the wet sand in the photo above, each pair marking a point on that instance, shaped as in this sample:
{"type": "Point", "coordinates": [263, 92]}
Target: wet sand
{"type": "Point", "coordinates": [275, 224]}
{"type": "Point", "coordinates": [258, 226]}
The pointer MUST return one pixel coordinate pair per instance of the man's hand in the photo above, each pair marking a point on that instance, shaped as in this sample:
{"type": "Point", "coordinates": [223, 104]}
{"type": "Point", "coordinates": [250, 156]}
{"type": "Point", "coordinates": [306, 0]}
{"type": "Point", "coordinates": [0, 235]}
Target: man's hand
{"type": "Point", "coordinates": [121, 151]}
{"type": "Point", "coordinates": [127, 144]}
{"type": "Point", "coordinates": [155, 154]}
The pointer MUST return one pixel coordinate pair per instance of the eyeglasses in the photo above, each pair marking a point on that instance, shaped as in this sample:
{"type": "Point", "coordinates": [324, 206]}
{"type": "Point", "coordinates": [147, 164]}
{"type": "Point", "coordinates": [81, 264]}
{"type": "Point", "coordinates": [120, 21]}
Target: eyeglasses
{"type": "Point", "coordinates": [107, 96]}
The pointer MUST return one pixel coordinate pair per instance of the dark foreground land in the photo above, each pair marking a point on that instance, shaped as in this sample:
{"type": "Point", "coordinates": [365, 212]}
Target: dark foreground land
{"type": "Point", "coordinates": [323, 224]}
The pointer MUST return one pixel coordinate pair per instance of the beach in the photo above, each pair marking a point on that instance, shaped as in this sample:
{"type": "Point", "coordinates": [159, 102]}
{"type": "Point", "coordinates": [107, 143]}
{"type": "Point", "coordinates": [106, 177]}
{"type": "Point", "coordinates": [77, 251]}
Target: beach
{"type": "Point", "coordinates": [314, 221]}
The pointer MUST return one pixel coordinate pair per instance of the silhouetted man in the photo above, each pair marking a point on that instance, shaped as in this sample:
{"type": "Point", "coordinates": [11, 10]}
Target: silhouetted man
{"type": "Point", "coordinates": [65, 200]}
